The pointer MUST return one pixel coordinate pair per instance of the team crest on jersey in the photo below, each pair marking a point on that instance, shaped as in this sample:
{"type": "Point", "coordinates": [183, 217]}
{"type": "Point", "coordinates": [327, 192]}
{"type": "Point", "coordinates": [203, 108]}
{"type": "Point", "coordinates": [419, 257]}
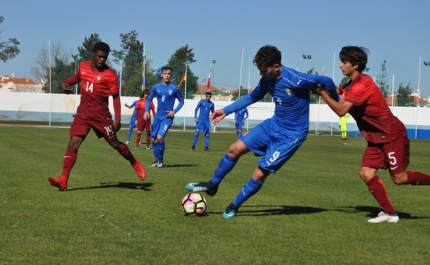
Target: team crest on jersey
{"type": "Point", "coordinates": [288, 91]}
{"type": "Point", "coordinates": [170, 92]}
{"type": "Point", "coordinates": [99, 78]}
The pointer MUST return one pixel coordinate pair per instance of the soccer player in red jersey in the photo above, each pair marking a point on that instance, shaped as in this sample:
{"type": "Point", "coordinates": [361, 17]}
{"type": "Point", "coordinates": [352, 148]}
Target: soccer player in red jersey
{"type": "Point", "coordinates": [141, 123]}
{"type": "Point", "coordinates": [386, 136]}
{"type": "Point", "coordinates": [98, 82]}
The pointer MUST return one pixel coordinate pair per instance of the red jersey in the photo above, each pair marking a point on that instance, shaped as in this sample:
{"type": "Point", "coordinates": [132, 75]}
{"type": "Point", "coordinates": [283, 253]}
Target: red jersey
{"type": "Point", "coordinates": [374, 118]}
{"type": "Point", "coordinates": [140, 108]}
{"type": "Point", "coordinates": [96, 87]}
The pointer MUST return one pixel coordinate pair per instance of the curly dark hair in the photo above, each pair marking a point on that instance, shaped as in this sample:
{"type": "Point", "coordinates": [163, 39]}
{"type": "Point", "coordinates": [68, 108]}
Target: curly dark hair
{"type": "Point", "coordinates": [267, 56]}
{"type": "Point", "coordinates": [101, 46]}
{"type": "Point", "coordinates": [355, 55]}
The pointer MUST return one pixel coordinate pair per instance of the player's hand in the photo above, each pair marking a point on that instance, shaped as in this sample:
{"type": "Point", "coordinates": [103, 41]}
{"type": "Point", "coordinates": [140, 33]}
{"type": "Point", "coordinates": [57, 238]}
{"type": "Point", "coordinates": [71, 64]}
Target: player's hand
{"type": "Point", "coordinates": [170, 114]}
{"type": "Point", "coordinates": [217, 116]}
{"type": "Point", "coordinates": [196, 120]}
{"type": "Point", "coordinates": [116, 125]}
{"type": "Point", "coordinates": [146, 116]}
{"type": "Point", "coordinates": [66, 89]}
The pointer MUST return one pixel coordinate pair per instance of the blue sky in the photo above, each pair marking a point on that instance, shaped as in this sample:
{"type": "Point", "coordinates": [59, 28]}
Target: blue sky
{"type": "Point", "coordinates": [393, 30]}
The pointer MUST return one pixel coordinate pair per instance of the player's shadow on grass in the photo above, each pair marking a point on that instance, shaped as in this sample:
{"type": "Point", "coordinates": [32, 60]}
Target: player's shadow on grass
{"type": "Point", "coordinates": [373, 212]}
{"type": "Point", "coordinates": [124, 185]}
{"type": "Point", "coordinates": [277, 210]}
{"type": "Point", "coordinates": [180, 165]}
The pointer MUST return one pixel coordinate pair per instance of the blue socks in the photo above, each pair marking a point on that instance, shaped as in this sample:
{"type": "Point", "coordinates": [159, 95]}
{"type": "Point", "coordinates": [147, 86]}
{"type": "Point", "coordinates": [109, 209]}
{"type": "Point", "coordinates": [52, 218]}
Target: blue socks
{"type": "Point", "coordinates": [129, 135]}
{"type": "Point", "coordinates": [206, 141]}
{"type": "Point", "coordinates": [225, 165]}
{"type": "Point", "coordinates": [195, 138]}
{"type": "Point", "coordinates": [250, 188]}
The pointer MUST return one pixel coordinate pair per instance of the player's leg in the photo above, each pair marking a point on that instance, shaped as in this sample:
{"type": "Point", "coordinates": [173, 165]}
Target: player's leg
{"type": "Point", "coordinates": [148, 134]}
{"type": "Point", "coordinates": [195, 137]}
{"type": "Point", "coordinates": [78, 130]}
{"type": "Point", "coordinates": [279, 151]}
{"type": "Point", "coordinates": [140, 127]}
{"type": "Point", "coordinates": [374, 158]}
{"type": "Point", "coordinates": [130, 130]}
{"type": "Point", "coordinates": [106, 131]}
{"type": "Point", "coordinates": [207, 131]}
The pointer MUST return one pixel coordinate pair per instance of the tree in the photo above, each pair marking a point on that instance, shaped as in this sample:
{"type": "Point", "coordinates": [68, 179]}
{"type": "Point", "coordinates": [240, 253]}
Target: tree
{"type": "Point", "coordinates": [403, 95]}
{"type": "Point", "coordinates": [87, 47]}
{"type": "Point", "coordinates": [9, 48]}
{"type": "Point", "coordinates": [382, 81]}
{"type": "Point", "coordinates": [178, 61]}
{"type": "Point", "coordinates": [41, 69]}
{"type": "Point", "coordinates": [131, 56]}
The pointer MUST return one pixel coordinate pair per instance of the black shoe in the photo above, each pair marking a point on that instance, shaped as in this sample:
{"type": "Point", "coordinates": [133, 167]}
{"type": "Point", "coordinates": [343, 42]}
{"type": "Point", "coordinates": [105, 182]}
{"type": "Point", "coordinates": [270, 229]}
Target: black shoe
{"type": "Point", "coordinates": [207, 149]}
{"type": "Point", "coordinates": [193, 148]}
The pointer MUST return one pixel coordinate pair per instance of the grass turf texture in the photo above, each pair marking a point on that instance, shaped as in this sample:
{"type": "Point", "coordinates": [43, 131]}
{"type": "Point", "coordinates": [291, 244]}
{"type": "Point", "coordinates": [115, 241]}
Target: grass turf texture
{"type": "Point", "coordinates": [312, 211]}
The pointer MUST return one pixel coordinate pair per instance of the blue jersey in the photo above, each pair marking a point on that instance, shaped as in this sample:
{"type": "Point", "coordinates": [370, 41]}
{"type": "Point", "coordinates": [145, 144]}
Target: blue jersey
{"type": "Point", "coordinates": [166, 96]}
{"type": "Point", "coordinates": [241, 115]}
{"type": "Point", "coordinates": [205, 108]}
{"type": "Point", "coordinates": [291, 96]}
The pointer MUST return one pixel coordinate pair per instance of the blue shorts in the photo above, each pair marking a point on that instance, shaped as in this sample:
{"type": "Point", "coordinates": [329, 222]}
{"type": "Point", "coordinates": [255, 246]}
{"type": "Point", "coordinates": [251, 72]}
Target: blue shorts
{"type": "Point", "coordinates": [239, 125]}
{"type": "Point", "coordinates": [203, 127]}
{"type": "Point", "coordinates": [160, 127]}
{"type": "Point", "coordinates": [132, 123]}
{"type": "Point", "coordinates": [275, 144]}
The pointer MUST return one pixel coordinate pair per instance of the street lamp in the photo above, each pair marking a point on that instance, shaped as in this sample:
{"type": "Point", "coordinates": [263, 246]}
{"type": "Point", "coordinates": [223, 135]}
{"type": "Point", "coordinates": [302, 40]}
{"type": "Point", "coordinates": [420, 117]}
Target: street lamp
{"type": "Point", "coordinates": [427, 64]}
{"type": "Point", "coordinates": [306, 57]}
{"type": "Point", "coordinates": [213, 73]}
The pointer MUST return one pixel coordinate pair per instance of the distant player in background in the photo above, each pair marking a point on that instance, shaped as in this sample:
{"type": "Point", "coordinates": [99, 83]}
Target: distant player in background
{"type": "Point", "coordinates": [386, 136]}
{"type": "Point", "coordinates": [239, 120]}
{"type": "Point", "coordinates": [132, 121]}
{"type": "Point", "coordinates": [203, 124]}
{"type": "Point", "coordinates": [275, 139]}
{"type": "Point", "coordinates": [166, 94]}
{"type": "Point", "coordinates": [343, 126]}
{"type": "Point", "coordinates": [141, 123]}
{"type": "Point", "coordinates": [98, 82]}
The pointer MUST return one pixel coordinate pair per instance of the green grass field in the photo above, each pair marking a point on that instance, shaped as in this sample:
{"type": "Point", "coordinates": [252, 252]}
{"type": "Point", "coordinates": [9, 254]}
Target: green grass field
{"type": "Point", "coordinates": [312, 211]}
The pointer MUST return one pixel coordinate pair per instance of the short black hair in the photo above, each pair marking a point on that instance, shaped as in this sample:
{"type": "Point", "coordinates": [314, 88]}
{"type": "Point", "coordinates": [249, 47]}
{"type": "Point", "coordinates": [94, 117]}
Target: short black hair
{"type": "Point", "coordinates": [267, 56]}
{"type": "Point", "coordinates": [143, 93]}
{"type": "Point", "coordinates": [101, 46]}
{"type": "Point", "coordinates": [208, 94]}
{"type": "Point", "coordinates": [355, 55]}
{"type": "Point", "coordinates": [166, 68]}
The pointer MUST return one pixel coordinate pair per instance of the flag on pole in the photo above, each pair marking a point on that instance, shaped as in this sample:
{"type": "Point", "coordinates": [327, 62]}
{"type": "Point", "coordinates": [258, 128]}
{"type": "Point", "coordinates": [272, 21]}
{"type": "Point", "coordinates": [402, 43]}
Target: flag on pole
{"type": "Point", "coordinates": [322, 72]}
{"type": "Point", "coordinates": [209, 78]}
{"type": "Point", "coordinates": [184, 77]}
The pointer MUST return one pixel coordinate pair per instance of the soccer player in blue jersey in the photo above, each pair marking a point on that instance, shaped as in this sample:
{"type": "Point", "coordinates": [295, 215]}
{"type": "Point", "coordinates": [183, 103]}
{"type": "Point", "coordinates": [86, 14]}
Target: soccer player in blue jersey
{"type": "Point", "coordinates": [166, 94]}
{"type": "Point", "coordinates": [275, 139]}
{"type": "Point", "coordinates": [132, 121]}
{"type": "Point", "coordinates": [239, 120]}
{"type": "Point", "coordinates": [203, 124]}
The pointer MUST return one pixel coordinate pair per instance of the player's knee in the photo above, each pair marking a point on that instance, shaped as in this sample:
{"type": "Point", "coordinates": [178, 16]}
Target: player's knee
{"type": "Point", "coordinates": [400, 179]}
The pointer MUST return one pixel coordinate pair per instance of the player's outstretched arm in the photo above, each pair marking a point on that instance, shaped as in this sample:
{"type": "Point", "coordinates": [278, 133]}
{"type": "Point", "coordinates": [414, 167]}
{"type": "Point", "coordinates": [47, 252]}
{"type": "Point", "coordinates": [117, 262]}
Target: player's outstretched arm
{"type": "Point", "coordinates": [66, 86]}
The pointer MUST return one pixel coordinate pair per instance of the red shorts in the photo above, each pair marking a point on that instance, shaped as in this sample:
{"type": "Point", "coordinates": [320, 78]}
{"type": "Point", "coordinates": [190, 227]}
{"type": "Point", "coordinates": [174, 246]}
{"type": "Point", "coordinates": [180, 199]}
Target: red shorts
{"type": "Point", "coordinates": [81, 127]}
{"type": "Point", "coordinates": [393, 155]}
{"type": "Point", "coordinates": [143, 125]}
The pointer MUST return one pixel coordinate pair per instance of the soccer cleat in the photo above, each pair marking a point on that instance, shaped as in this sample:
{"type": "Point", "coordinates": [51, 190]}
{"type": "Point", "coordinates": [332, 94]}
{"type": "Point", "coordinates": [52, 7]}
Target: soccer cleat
{"type": "Point", "coordinates": [193, 148]}
{"type": "Point", "coordinates": [59, 182]}
{"type": "Point", "coordinates": [160, 163]}
{"type": "Point", "coordinates": [136, 148]}
{"type": "Point", "coordinates": [207, 149]}
{"type": "Point", "coordinates": [201, 187]}
{"type": "Point", "coordinates": [385, 217]}
{"type": "Point", "coordinates": [154, 164]}
{"type": "Point", "coordinates": [127, 142]}
{"type": "Point", "coordinates": [140, 170]}
{"type": "Point", "coordinates": [229, 213]}
{"type": "Point", "coordinates": [147, 148]}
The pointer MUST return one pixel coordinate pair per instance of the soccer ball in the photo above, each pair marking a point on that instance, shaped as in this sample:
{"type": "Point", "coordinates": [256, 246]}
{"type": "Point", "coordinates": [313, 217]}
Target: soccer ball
{"type": "Point", "coordinates": [194, 204]}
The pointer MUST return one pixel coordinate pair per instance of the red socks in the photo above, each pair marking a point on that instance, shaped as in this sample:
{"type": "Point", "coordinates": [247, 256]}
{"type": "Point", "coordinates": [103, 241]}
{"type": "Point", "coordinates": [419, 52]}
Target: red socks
{"type": "Point", "coordinates": [148, 139]}
{"type": "Point", "coordinates": [418, 178]}
{"type": "Point", "coordinates": [69, 161]}
{"type": "Point", "coordinates": [138, 136]}
{"type": "Point", "coordinates": [125, 152]}
{"type": "Point", "coordinates": [377, 188]}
